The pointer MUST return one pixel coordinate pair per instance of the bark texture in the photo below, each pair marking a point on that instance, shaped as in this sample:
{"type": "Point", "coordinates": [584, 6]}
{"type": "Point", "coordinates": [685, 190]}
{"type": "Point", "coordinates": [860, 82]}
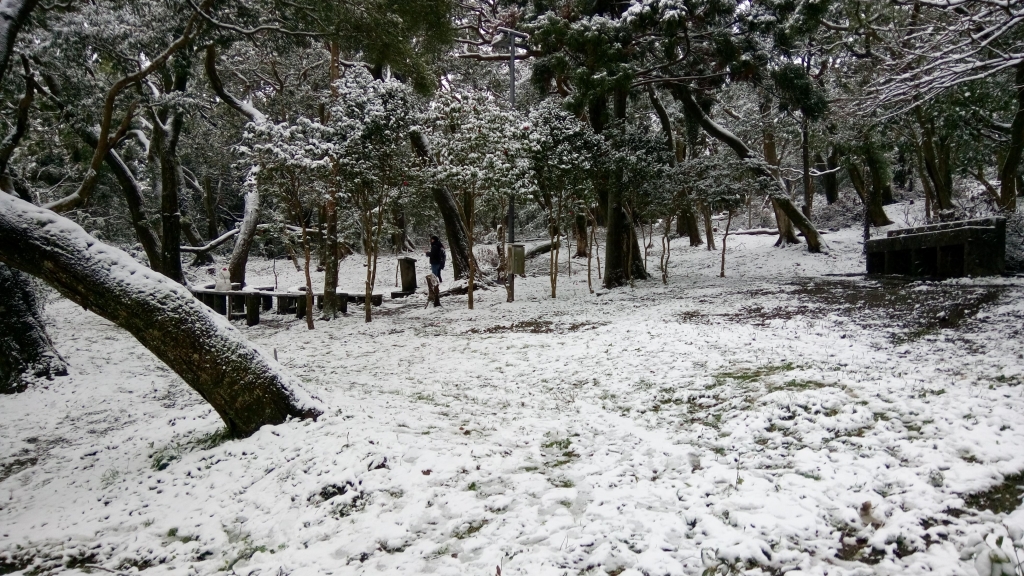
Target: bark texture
{"type": "Point", "coordinates": [623, 260]}
{"type": "Point", "coordinates": [870, 196]}
{"type": "Point", "coordinates": [246, 389]}
{"type": "Point", "coordinates": [455, 229]}
{"type": "Point", "coordinates": [1008, 172]}
{"type": "Point", "coordinates": [935, 153]}
{"type": "Point", "coordinates": [250, 219]}
{"type": "Point", "coordinates": [830, 181]}
{"type": "Point", "coordinates": [13, 15]}
{"type": "Point", "coordinates": [331, 260]}
{"type": "Point", "coordinates": [25, 349]}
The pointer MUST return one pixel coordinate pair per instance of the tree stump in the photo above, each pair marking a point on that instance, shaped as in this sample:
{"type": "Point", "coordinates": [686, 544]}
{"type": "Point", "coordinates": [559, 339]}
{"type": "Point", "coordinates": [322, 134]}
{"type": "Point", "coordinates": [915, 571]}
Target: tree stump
{"type": "Point", "coordinates": [433, 290]}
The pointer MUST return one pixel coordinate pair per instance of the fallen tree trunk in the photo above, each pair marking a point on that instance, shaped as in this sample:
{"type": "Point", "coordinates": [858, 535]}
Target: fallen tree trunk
{"type": "Point", "coordinates": [756, 232]}
{"type": "Point", "coordinates": [541, 249]}
{"type": "Point", "coordinates": [246, 389]}
{"type": "Point", "coordinates": [208, 247]}
{"type": "Point", "coordinates": [219, 241]}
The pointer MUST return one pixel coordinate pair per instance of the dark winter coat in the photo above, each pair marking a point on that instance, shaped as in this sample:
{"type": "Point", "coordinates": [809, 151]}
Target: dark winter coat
{"type": "Point", "coordinates": [436, 253]}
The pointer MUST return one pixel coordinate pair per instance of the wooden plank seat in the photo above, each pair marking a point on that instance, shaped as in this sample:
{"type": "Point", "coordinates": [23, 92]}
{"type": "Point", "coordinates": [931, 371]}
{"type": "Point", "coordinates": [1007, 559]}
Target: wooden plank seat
{"type": "Point", "coordinates": [249, 303]}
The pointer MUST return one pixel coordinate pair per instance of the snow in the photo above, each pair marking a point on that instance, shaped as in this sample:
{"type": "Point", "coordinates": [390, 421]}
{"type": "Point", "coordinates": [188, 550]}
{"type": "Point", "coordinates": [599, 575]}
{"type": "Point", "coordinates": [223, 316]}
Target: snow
{"type": "Point", "coordinates": [663, 429]}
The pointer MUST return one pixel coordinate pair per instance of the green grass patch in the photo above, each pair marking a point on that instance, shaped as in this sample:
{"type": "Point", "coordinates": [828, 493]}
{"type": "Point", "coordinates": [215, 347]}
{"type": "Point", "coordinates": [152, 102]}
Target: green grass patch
{"type": "Point", "coordinates": [163, 457]}
{"type": "Point", "coordinates": [467, 530]}
{"type": "Point", "coordinates": [797, 385]}
{"type": "Point", "coordinates": [743, 376]}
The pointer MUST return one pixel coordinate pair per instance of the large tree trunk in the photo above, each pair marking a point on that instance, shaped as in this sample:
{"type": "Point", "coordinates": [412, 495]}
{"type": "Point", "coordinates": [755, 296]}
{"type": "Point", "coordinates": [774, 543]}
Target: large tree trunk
{"type": "Point", "coordinates": [935, 153]}
{"type": "Point", "coordinates": [132, 192]}
{"type": "Point", "coordinates": [815, 243]}
{"type": "Point", "coordinates": [581, 235]}
{"type": "Point", "coordinates": [331, 259]}
{"type": "Point", "coordinates": [210, 206]}
{"type": "Point", "coordinates": [872, 200]}
{"type": "Point", "coordinates": [929, 195]}
{"type": "Point", "coordinates": [622, 255]}
{"type": "Point", "coordinates": [1014, 151]}
{"type": "Point", "coordinates": [786, 233]}
{"type": "Point", "coordinates": [881, 176]}
{"type": "Point", "coordinates": [455, 229]}
{"type": "Point", "coordinates": [246, 232]}
{"type": "Point", "coordinates": [805, 156]}
{"type": "Point", "coordinates": [13, 15]}
{"type": "Point", "coordinates": [246, 389]}
{"type": "Point", "coordinates": [24, 344]}
{"type": "Point", "coordinates": [687, 222]}
{"type": "Point", "coordinates": [167, 133]}
{"type": "Point", "coordinates": [830, 181]}
{"type": "Point", "coordinates": [687, 225]}
{"type": "Point", "coordinates": [25, 349]}
{"type": "Point", "coordinates": [250, 219]}
{"type": "Point", "coordinates": [400, 238]}
{"type": "Point", "coordinates": [709, 227]}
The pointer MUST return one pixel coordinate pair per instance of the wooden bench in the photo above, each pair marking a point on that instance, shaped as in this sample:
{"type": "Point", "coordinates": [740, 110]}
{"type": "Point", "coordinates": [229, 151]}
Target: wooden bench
{"type": "Point", "coordinates": [249, 303]}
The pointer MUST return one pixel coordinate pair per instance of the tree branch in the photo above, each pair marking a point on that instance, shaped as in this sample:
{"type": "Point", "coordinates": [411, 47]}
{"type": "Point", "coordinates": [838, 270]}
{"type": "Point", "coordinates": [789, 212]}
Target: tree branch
{"type": "Point", "coordinates": [11, 141]}
{"type": "Point", "coordinates": [243, 108]}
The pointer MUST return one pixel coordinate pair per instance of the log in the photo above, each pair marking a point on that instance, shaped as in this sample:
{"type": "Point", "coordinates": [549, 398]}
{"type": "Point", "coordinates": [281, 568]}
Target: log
{"type": "Point", "coordinates": [246, 389]}
{"type": "Point", "coordinates": [540, 249]}
{"type": "Point", "coordinates": [756, 232]}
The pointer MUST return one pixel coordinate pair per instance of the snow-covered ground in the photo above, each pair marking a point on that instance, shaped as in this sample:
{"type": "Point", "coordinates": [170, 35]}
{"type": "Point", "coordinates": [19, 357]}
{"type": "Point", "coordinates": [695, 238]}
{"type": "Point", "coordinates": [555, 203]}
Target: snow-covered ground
{"type": "Point", "coordinates": [784, 419]}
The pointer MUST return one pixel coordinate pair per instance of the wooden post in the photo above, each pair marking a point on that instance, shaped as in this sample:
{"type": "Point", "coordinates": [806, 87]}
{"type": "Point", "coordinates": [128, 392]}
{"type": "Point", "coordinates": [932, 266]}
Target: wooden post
{"type": "Point", "coordinates": [343, 302]}
{"type": "Point", "coordinates": [268, 302]}
{"type": "Point", "coordinates": [252, 309]}
{"type": "Point", "coordinates": [220, 304]}
{"type": "Point", "coordinates": [300, 306]}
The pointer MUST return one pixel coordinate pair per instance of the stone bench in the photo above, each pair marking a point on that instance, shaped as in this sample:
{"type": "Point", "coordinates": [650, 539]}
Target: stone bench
{"type": "Point", "coordinates": [946, 250]}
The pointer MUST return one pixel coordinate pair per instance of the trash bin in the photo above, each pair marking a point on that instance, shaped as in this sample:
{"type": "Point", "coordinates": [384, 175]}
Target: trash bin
{"type": "Point", "coordinates": [407, 267]}
{"type": "Point", "coordinates": [517, 255]}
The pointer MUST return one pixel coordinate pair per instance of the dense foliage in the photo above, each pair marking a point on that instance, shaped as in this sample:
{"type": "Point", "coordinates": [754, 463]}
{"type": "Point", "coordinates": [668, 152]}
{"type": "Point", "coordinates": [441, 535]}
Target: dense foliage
{"type": "Point", "coordinates": [148, 123]}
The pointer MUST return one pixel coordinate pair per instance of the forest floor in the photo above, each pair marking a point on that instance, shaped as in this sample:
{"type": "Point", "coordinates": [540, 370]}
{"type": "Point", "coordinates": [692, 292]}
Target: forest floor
{"type": "Point", "coordinates": [784, 419]}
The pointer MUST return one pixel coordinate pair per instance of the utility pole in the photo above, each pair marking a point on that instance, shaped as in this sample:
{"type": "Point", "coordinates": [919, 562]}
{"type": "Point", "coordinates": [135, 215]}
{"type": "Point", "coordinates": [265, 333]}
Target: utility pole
{"type": "Point", "coordinates": [510, 277]}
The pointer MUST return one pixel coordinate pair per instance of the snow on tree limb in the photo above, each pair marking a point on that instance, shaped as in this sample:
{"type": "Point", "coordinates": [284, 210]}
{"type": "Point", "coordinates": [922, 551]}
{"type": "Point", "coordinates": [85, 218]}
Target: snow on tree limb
{"type": "Point", "coordinates": [247, 389]}
{"type": "Point", "coordinates": [244, 108]}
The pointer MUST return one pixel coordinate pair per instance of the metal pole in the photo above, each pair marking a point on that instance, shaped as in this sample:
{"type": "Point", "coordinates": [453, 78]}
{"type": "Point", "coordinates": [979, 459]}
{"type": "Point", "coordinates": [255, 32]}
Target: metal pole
{"type": "Point", "coordinates": [512, 35]}
{"type": "Point", "coordinates": [510, 277]}
{"type": "Point", "coordinates": [512, 69]}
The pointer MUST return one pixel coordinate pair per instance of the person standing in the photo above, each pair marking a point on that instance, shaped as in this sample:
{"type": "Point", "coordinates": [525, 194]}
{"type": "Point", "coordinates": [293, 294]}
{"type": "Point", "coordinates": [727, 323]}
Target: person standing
{"type": "Point", "coordinates": [437, 257]}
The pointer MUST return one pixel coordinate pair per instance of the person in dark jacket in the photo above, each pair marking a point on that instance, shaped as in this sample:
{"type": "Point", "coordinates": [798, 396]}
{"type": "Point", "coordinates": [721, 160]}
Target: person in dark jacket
{"type": "Point", "coordinates": [437, 258]}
